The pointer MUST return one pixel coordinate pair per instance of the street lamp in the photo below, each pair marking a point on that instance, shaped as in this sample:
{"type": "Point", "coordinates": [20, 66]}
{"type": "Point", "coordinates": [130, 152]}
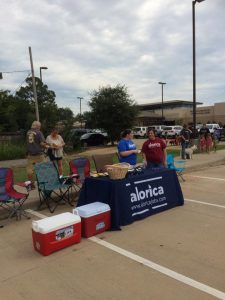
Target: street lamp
{"type": "Point", "coordinates": [162, 84]}
{"type": "Point", "coordinates": [42, 68]}
{"type": "Point", "coordinates": [194, 65]}
{"type": "Point", "coordinates": [80, 98]}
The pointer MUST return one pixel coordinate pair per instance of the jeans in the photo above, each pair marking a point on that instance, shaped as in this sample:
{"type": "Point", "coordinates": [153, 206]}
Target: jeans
{"type": "Point", "coordinates": [184, 146]}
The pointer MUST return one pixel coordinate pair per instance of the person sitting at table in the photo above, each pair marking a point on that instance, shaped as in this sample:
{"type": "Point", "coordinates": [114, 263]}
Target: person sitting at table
{"type": "Point", "coordinates": [127, 149]}
{"type": "Point", "coordinates": [154, 151]}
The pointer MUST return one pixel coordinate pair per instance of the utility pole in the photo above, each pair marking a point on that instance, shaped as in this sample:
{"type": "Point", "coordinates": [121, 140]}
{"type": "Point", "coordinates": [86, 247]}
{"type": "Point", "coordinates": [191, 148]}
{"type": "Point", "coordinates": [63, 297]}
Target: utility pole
{"type": "Point", "coordinates": [162, 84]}
{"type": "Point", "coordinates": [34, 86]}
{"type": "Point", "coordinates": [80, 98]}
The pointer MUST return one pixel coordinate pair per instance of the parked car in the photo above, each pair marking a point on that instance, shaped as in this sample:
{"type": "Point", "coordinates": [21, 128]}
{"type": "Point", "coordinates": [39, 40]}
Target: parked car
{"type": "Point", "coordinates": [140, 132]}
{"type": "Point", "coordinates": [171, 131]}
{"type": "Point", "coordinates": [73, 139]}
{"type": "Point", "coordinates": [212, 127]}
{"type": "Point", "coordinates": [158, 128]}
{"type": "Point", "coordinates": [100, 131]}
{"type": "Point", "coordinates": [93, 139]}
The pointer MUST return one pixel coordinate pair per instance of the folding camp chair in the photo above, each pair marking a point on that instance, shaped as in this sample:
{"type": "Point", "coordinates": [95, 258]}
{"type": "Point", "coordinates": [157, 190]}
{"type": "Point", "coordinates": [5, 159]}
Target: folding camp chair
{"type": "Point", "coordinates": [101, 160]}
{"type": "Point", "coordinates": [80, 166]}
{"type": "Point", "coordinates": [53, 189]}
{"type": "Point", "coordinates": [177, 165]}
{"type": "Point", "coordinates": [10, 199]}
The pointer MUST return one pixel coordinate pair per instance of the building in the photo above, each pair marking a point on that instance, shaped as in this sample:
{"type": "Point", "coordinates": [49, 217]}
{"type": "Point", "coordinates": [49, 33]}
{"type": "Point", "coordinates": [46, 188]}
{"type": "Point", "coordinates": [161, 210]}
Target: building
{"type": "Point", "coordinates": [179, 112]}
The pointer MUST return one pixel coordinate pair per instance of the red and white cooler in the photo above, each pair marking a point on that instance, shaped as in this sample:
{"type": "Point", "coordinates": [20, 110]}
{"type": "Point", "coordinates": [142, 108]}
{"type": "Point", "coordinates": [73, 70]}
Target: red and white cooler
{"type": "Point", "coordinates": [95, 218]}
{"type": "Point", "coordinates": [54, 233]}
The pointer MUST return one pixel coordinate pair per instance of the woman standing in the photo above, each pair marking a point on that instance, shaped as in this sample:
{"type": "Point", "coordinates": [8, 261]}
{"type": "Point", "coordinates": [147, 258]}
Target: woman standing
{"type": "Point", "coordinates": [127, 149]}
{"type": "Point", "coordinates": [154, 151]}
{"type": "Point", "coordinates": [56, 152]}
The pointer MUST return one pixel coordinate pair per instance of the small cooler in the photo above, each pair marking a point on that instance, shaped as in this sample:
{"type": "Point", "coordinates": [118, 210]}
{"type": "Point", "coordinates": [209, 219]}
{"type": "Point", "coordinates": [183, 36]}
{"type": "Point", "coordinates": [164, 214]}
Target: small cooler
{"type": "Point", "coordinates": [95, 218]}
{"type": "Point", "coordinates": [57, 232]}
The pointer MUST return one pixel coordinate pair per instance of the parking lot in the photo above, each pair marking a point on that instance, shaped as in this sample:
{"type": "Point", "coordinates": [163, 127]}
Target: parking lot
{"type": "Point", "coordinates": [177, 254]}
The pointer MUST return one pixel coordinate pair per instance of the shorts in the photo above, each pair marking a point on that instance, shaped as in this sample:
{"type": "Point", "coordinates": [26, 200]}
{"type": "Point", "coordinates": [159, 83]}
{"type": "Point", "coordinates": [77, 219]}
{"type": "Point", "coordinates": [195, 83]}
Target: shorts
{"type": "Point", "coordinates": [32, 160]}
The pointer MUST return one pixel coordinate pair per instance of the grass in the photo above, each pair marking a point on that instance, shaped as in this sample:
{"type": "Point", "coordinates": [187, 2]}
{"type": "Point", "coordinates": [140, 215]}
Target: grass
{"type": "Point", "coordinates": [20, 172]}
{"type": "Point", "coordinates": [12, 151]}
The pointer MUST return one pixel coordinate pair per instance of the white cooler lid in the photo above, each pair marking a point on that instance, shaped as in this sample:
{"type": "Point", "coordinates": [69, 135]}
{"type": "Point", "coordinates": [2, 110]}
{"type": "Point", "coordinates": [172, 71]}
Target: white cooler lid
{"type": "Point", "coordinates": [55, 222]}
{"type": "Point", "coordinates": [91, 209]}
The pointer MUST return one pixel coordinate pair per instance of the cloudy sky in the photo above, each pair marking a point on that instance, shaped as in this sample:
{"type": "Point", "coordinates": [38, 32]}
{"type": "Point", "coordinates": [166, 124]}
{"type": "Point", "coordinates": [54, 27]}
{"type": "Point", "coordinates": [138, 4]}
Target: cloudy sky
{"type": "Point", "coordinates": [88, 44]}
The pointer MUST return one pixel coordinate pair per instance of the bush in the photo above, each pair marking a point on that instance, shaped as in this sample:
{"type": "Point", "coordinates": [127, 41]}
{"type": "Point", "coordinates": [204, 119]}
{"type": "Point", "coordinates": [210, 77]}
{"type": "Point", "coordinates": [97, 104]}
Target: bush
{"type": "Point", "coordinates": [12, 150]}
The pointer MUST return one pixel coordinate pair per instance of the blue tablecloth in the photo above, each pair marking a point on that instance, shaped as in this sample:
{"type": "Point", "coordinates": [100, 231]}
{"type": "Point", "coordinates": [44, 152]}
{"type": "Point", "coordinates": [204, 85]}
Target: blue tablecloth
{"type": "Point", "coordinates": [135, 197]}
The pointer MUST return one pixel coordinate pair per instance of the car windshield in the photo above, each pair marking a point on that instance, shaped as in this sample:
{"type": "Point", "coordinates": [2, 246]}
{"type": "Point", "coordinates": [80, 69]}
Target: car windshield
{"type": "Point", "coordinates": [85, 136]}
{"type": "Point", "coordinates": [137, 128]}
{"type": "Point", "coordinates": [209, 126]}
{"type": "Point", "coordinates": [167, 128]}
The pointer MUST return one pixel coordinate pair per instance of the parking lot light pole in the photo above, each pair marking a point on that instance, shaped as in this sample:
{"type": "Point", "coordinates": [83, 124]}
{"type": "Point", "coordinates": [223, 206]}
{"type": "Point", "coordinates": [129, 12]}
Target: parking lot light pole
{"type": "Point", "coordinates": [80, 98]}
{"type": "Point", "coordinates": [42, 68]}
{"type": "Point", "coordinates": [194, 65]}
{"type": "Point", "coordinates": [162, 84]}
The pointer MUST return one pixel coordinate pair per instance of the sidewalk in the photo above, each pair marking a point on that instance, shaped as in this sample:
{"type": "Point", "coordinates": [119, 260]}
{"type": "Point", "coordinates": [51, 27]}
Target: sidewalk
{"type": "Point", "coordinates": [199, 161]}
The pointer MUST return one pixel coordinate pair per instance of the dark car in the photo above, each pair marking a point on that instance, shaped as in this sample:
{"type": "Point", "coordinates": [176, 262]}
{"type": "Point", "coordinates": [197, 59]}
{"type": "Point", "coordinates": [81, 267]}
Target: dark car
{"type": "Point", "coordinates": [93, 139]}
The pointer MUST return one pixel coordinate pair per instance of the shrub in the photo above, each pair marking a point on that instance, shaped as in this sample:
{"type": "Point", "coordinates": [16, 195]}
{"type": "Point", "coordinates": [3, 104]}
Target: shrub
{"type": "Point", "coordinates": [12, 150]}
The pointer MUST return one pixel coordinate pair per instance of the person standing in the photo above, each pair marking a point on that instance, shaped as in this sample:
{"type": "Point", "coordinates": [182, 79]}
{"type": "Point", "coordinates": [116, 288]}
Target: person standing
{"type": "Point", "coordinates": [185, 136]}
{"type": "Point", "coordinates": [55, 151]}
{"type": "Point", "coordinates": [127, 149]}
{"type": "Point", "coordinates": [35, 149]}
{"type": "Point", "coordinates": [204, 130]}
{"type": "Point", "coordinates": [154, 151]}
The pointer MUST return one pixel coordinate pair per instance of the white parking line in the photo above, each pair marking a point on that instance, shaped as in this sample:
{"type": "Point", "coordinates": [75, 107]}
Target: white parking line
{"type": "Point", "coordinates": [170, 273]}
{"type": "Point", "coordinates": [177, 276]}
{"type": "Point", "coordinates": [35, 213]}
{"type": "Point", "coordinates": [205, 177]}
{"type": "Point", "coordinates": [205, 203]}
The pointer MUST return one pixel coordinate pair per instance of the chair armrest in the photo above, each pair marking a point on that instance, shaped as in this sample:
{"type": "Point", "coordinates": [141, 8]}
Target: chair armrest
{"type": "Point", "coordinates": [26, 184]}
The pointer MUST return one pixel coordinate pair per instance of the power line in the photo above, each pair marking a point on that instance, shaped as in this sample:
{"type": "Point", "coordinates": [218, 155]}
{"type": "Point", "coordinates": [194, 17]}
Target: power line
{"type": "Point", "coordinates": [21, 84]}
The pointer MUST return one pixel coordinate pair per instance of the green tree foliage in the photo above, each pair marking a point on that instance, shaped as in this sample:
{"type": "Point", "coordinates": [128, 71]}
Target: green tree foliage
{"type": "Point", "coordinates": [113, 110]}
{"type": "Point", "coordinates": [46, 102]}
{"type": "Point", "coordinates": [18, 112]}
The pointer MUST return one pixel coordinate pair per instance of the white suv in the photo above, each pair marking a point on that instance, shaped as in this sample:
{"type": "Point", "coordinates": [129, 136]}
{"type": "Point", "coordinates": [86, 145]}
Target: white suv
{"type": "Point", "coordinates": [171, 131]}
{"type": "Point", "coordinates": [158, 128]}
{"type": "Point", "coordinates": [212, 127]}
{"type": "Point", "coordinates": [140, 132]}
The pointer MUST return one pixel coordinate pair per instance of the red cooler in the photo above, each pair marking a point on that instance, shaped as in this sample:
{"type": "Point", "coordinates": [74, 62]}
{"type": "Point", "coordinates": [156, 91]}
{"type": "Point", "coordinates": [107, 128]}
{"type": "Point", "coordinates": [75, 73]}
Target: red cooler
{"type": "Point", "coordinates": [57, 232]}
{"type": "Point", "coordinates": [95, 218]}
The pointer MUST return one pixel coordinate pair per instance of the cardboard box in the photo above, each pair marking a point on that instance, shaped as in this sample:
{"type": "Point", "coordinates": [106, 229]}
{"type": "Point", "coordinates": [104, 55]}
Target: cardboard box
{"type": "Point", "coordinates": [54, 233]}
{"type": "Point", "coordinates": [95, 218]}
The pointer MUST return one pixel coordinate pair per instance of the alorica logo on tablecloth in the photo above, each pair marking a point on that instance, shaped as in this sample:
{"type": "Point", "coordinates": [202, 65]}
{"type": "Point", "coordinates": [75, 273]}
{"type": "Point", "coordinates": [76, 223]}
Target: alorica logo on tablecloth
{"type": "Point", "coordinates": [145, 194]}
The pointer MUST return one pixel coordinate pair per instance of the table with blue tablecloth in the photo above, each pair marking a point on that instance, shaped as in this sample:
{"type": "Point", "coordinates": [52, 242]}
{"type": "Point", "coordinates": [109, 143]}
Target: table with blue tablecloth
{"type": "Point", "coordinates": [135, 197]}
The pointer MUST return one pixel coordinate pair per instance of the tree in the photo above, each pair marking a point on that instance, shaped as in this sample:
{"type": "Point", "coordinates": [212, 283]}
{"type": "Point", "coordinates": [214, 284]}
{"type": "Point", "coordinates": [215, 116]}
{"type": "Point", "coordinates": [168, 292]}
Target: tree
{"type": "Point", "coordinates": [46, 102]}
{"type": "Point", "coordinates": [113, 110]}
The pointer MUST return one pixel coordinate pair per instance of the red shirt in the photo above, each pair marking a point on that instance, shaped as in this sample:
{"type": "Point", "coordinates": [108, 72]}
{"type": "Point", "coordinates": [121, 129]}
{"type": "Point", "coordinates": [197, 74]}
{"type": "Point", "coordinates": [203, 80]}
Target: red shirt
{"type": "Point", "coordinates": [153, 150]}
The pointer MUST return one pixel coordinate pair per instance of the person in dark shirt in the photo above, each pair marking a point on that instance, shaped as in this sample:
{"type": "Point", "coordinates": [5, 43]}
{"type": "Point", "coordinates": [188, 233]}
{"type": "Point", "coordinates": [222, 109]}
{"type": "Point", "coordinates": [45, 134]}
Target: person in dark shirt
{"type": "Point", "coordinates": [35, 149]}
{"type": "Point", "coordinates": [204, 130]}
{"type": "Point", "coordinates": [185, 136]}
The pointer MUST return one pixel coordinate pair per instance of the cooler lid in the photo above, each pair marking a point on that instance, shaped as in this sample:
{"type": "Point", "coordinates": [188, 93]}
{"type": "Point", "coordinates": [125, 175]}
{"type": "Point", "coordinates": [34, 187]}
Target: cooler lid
{"type": "Point", "coordinates": [55, 222]}
{"type": "Point", "coordinates": [91, 209]}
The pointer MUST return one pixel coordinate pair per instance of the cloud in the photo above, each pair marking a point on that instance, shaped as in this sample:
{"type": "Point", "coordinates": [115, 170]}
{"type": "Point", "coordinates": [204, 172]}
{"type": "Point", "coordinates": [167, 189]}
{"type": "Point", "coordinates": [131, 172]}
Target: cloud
{"type": "Point", "coordinates": [88, 44]}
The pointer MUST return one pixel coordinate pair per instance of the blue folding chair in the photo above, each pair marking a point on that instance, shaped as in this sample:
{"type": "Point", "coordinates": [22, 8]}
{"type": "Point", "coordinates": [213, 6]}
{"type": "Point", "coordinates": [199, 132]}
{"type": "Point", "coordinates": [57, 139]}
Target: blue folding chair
{"type": "Point", "coordinates": [177, 165]}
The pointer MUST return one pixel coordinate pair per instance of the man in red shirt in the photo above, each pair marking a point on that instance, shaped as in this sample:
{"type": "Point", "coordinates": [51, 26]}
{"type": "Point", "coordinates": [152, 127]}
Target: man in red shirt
{"type": "Point", "coordinates": [154, 151]}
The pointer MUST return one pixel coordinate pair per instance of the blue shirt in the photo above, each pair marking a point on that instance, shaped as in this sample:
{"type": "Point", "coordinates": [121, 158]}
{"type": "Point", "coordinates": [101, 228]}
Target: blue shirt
{"type": "Point", "coordinates": [126, 145]}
